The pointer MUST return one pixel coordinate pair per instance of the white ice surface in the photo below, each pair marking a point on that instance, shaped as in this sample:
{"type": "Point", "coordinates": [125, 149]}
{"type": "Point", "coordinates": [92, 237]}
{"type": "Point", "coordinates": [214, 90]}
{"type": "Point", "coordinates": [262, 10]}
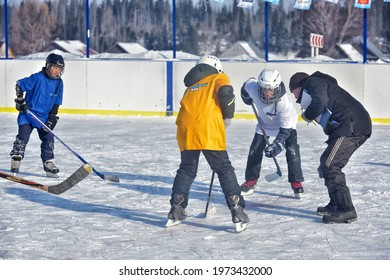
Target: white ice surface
{"type": "Point", "coordinates": [97, 220]}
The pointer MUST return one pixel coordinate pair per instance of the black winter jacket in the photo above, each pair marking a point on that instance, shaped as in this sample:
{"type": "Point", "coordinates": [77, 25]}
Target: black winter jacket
{"type": "Point", "coordinates": [351, 118]}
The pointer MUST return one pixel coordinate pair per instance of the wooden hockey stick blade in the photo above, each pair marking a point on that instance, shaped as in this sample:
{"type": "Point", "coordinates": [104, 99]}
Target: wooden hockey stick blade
{"type": "Point", "coordinates": [79, 175]}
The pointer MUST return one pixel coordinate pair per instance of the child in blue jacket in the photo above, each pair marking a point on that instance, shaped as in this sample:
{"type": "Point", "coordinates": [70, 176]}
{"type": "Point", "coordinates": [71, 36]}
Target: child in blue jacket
{"type": "Point", "coordinates": [41, 94]}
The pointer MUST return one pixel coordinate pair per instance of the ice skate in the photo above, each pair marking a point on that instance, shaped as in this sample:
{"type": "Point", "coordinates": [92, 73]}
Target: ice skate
{"type": "Point", "coordinates": [50, 169]}
{"type": "Point", "coordinates": [176, 215]}
{"type": "Point", "coordinates": [15, 164]}
{"type": "Point", "coordinates": [239, 217]}
{"type": "Point", "coordinates": [297, 188]}
{"type": "Point", "coordinates": [248, 187]}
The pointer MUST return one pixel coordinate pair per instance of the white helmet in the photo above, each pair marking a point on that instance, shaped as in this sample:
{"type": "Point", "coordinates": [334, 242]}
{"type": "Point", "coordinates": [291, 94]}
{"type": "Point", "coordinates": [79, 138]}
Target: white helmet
{"type": "Point", "coordinates": [212, 61]}
{"type": "Point", "coordinates": [269, 79]}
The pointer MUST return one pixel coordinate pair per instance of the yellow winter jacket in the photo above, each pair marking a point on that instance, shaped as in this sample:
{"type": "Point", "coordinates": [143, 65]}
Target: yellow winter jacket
{"type": "Point", "coordinates": [200, 123]}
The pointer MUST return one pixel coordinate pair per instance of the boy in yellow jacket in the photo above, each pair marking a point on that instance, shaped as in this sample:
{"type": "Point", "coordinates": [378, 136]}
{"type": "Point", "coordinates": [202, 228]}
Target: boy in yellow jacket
{"type": "Point", "coordinates": [207, 108]}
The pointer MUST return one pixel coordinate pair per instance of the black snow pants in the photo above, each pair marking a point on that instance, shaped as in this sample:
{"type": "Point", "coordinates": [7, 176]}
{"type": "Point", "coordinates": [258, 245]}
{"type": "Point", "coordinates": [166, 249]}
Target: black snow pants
{"type": "Point", "coordinates": [332, 161]}
{"type": "Point", "coordinates": [293, 158]}
{"type": "Point", "coordinates": [219, 163]}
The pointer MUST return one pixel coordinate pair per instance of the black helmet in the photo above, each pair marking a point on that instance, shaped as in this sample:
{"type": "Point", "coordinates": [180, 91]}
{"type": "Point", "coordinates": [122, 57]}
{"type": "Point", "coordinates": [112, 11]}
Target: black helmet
{"type": "Point", "coordinates": [54, 60]}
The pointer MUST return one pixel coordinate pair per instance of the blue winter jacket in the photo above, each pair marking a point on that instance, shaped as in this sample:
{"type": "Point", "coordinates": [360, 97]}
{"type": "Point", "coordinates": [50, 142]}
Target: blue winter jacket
{"type": "Point", "coordinates": [41, 95]}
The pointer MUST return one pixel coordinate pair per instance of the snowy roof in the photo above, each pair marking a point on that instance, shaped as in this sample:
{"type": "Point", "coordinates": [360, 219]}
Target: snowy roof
{"type": "Point", "coordinates": [43, 55]}
{"type": "Point", "coordinates": [351, 52]}
{"type": "Point", "coordinates": [242, 57]}
{"type": "Point", "coordinates": [241, 48]}
{"type": "Point", "coordinates": [146, 55]}
{"type": "Point", "coordinates": [122, 47]}
{"type": "Point", "coordinates": [75, 47]}
{"type": "Point", "coordinates": [377, 52]}
{"type": "Point", "coordinates": [179, 55]}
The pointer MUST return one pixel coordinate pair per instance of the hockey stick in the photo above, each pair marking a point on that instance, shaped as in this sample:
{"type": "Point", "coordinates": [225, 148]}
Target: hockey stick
{"type": "Point", "coordinates": [278, 173]}
{"type": "Point", "coordinates": [79, 175]}
{"type": "Point", "coordinates": [111, 178]}
{"type": "Point", "coordinates": [209, 196]}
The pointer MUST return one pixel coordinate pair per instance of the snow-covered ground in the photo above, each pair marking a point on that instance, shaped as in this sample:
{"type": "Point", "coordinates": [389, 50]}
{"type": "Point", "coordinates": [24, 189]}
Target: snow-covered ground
{"type": "Point", "coordinates": [124, 221]}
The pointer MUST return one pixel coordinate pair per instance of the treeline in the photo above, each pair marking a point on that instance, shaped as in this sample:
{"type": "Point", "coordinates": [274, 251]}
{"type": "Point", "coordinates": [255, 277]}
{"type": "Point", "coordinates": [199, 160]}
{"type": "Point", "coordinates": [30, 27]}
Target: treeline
{"type": "Point", "coordinates": [200, 27]}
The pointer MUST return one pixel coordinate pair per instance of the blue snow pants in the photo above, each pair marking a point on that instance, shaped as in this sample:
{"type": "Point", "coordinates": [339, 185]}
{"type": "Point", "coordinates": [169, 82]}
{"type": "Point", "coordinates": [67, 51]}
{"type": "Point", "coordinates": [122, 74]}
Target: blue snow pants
{"type": "Point", "coordinates": [23, 137]}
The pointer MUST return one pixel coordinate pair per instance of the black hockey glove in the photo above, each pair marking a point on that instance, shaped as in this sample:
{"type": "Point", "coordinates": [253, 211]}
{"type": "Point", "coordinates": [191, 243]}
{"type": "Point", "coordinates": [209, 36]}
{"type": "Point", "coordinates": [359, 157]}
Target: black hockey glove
{"type": "Point", "coordinates": [19, 91]}
{"type": "Point", "coordinates": [304, 118]}
{"type": "Point", "coordinates": [245, 96]}
{"type": "Point", "coordinates": [21, 105]}
{"type": "Point", "coordinates": [273, 149]}
{"type": "Point", "coordinates": [52, 121]}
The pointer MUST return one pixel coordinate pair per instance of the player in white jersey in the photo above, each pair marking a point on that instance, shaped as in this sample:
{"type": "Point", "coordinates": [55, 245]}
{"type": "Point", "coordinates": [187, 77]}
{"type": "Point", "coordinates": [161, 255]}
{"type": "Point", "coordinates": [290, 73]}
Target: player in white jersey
{"type": "Point", "coordinates": [278, 118]}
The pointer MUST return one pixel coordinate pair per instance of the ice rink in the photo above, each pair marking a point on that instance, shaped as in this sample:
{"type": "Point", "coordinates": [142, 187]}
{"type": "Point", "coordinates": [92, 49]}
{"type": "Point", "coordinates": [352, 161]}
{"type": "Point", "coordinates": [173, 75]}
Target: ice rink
{"type": "Point", "coordinates": [98, 220]}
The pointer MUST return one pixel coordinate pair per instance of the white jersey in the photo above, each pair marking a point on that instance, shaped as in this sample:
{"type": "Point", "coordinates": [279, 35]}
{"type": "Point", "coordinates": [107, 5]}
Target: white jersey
{"type": "Point", "coordinates": [272, 116]}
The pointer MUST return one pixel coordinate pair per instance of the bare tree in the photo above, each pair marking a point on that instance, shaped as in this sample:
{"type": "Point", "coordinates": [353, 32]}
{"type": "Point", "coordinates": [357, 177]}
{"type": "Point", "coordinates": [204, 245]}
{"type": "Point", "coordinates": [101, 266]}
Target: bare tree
{"type": "Point", "coordinates": [336, 22]}
{"type": "Point", "coordinates": [353, 22]}
{"type": "Point", "coordinates": [31, 27]}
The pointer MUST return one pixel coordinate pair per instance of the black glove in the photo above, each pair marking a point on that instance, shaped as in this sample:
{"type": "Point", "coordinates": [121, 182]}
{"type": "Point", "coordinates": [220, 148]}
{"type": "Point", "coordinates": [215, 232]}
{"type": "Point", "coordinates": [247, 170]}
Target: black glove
{"type": "Point", "coordinates": [245, 96]}
{"type": "Point", "coordinates": [21, 105]}
{"type": "Point", "coordinates": [19, 91]}
{"type": "Point", "coordinates": [304, 118]}
{"type": "Point", "coordinates": [52, 121]}
{"type": "Point", "coordinates": [273, 149]}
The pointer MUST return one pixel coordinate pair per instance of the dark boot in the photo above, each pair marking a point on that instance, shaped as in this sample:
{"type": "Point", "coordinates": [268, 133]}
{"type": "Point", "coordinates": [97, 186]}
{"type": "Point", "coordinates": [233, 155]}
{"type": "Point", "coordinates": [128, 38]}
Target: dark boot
{"type": "Point", "coordinates": [177, 212]}
{"type": "Point", "coordinates": [339, 217]}
{"type": "Point", "coordinates": [238, 214]}
{"type": "Point", "coordinates": [329, 208]}
{"type": "Point", "coordinates": [345, 212]}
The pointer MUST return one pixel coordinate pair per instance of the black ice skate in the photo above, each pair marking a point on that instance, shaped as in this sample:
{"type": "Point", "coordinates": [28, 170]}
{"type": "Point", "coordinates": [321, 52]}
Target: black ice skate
{"type": "Point", "coordinates": [50, 169]}
{"type": "Point", "coordinates": [177, 214]}
{"type": "Point", "coordinates": [239, 217]}
{"type": "Point", "coordinates": [15, 163]}
{"type": "Point", "coordinates": [248, 187]}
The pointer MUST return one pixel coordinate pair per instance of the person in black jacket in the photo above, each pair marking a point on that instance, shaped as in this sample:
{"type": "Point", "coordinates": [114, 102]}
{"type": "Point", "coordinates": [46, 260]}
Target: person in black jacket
{"type": "Point", "coordinates": [347, 124]}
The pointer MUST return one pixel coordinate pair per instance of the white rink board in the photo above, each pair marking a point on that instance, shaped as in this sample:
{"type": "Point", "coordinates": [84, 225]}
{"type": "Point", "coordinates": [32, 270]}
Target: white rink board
{"type": "Point", "coordinates": [138, 85]}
